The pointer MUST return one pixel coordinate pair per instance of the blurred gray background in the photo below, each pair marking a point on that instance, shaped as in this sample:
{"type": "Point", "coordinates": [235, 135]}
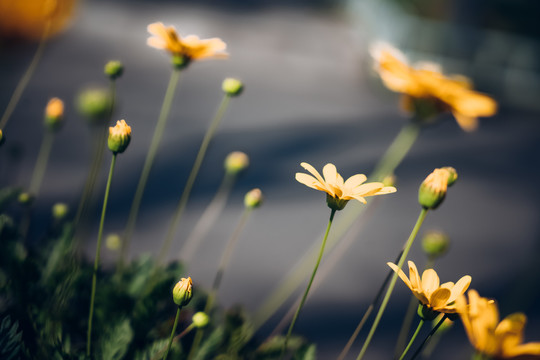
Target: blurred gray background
{"type": "Point", "coordinates": [310, 95]}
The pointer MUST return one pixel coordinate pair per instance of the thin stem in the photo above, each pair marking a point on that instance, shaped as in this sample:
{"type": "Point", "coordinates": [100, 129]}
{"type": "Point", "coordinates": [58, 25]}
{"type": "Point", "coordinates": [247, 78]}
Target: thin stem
{"type": "Point", "coordinates": [386, 166]}
{"type": "Point", "coordinates": [41, 163]}
{"type": "Point", "coordinates": [368, 312]}
{"type": "Point", "coordinates": [304, 297]}
{"type": "Point", "coordinates": [172, 333]}
{"type": "Point", "coordinates": [148, 162]}
{"type": "Point", "coordinates": [191, 179]}
{"type": "Point", "coordinates": [23, 82]}
{"type": "Point", "coordinates": [225, 258]}
{"type": "Point", "coordinates": [96, 260]}
{"type": "Point", "coordinates": [412, 339]}
{"type": "Point", "coordinates": [410, 241]}
{"type": "Point", "coordinates": [433, 331]}
{"type": "Point", "coordinates": [209, 216]}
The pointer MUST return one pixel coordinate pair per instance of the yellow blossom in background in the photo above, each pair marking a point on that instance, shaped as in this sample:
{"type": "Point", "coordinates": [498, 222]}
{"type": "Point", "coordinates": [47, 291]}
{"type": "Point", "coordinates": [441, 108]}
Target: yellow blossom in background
{"type": "Point", "coordinates": [501, 340]}
{"type": "Point", "coordinates": [191, 47]}
{"type": "Point", "coordinates": [426, 81]}
{"type": "Point", "coordinates": [429, 291]}
{"type": "Point", "coordinates": [54, 108]}
{"type": "Point", "coordinates": [338, 191]}
{"type": "Point", "coordinates": [30, 19]}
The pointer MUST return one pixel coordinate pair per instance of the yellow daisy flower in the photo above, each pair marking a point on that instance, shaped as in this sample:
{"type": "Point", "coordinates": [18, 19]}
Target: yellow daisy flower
{"type": "Point", "coordinates": [191, 47]}
{"type": "Point", "coordinates": [338, 191]}
{"type": "Point", "coordinates": [428, 290]}
{"type": "Point", "coordinates": [426, 81]}
{"type": "Point", "coordinates": [500, 340]}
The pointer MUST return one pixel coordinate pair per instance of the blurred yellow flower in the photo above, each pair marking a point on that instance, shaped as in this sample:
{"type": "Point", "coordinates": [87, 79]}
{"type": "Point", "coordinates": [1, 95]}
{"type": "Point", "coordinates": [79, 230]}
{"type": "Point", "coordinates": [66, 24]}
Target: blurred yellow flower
{"type": "Point", "coordinates": [340, 191]}
{"type": "Point", "coordinates": [426, 81]}
{"type": "Point", "coordinates": [191, 47]}
{"type": "Point", "coordinates": [501, 340]}
{"type": "Point", "coordinates": [34, 18]}
{"type": "Point", "coordinates": [428, 290]}
{"type": "Point", "coordinates": [54, 108]}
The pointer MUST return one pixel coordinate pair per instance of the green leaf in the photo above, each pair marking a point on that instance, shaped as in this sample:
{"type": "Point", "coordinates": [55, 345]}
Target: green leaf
{"type": "Point", "coordinates": [11, 344]}
{"type": "Point", "coordinates": [115, 342]}
{"type": "Point", "coordinates": [306, 352]}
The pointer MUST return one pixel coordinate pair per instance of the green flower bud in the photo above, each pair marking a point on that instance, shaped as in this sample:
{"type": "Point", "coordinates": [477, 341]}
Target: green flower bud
{"type": "Point", "coordinates": [200, 319]}
{"type": "Point", "coordinates": [119, 137]}
{"type": "Point", "coordinates": [25, 198]}
{"type": "Point", "coordinates": [435, 244]}
{"type": "Point", "coordinates": [94, 103]}
{"type": "Point", "coordinates": [335, 203]}
{"type": "Point", "coordinates": [232, 86]}
{"type": "Point", "coordinates": [182, 292]}
{"type": "Point", "coordinates": [114, 69]}
{"type": "Point", "coordinates": [236, 162]}
{"type": "Point", "coordinates": [180, 62]}
{"type": "Point", "coordinates": [54, 114]}
{"type": "Point", "coordinates": [453, 175]}
{"type": "Point", "coordinates": [60, 211]}
{"type": "Point", "coordinates": [253, 198]}
{"type": "Point", "coordinates": [113, 242]}
{"type": "Point", "coordinates": [433, 189]}
{"type": "Point", "coordinates": [2, 138]}
{"type": "Point", "coordinates": [426, 313]}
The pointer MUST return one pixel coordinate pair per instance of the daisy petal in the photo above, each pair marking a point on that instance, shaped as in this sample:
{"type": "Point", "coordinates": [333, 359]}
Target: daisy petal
{"type": "Point", "coordinates": [430, 282]}
{"type": "Point", "coordinates": [439, 298]}
{"type": "Point", "coordinates": [460, 287]}
{"type": "Point", "coordinates": [401, 274]}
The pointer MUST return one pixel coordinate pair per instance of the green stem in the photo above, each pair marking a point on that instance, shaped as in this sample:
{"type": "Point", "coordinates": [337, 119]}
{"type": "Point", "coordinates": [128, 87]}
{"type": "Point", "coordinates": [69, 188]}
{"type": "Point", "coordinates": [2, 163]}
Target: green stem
{"type": "Point", "coordinates": [172, 333]}
{"type": "Point", "coordinates": [410, 241]}
{"type": "Point", "coordinates": [433, 331]}
{"type": "Point", "coordinates": [41, 163]}
{"type": "Point", "coordinates": [225, 258]}
{"type": "Point", "coordinates": [386, 166]}
{"type": "Point", "coordinates": [96, 260]}
{"type": "Point", "coordinates": [304, 297]}
{"type": "Point", "coordinates": [191, 179]}
{"type": "Point", "coordinates": [148, 162]}
{"type": "Point", "coordinates": [23, 82]}
{"type": "Point", "coordinates": [412, 339]}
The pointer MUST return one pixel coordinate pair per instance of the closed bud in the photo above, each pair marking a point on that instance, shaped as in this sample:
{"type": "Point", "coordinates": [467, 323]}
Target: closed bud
{"type": "Point", "coordinates": [114, 69]}
{"type": "Point", "coordinates": [453, 175]}
{"type": "Point", "coordinates": [113, 242]}
{"type": "Point", "coordinates": [435, 244]}
{"type": "Point", "coordinates": [94, 104]}
{"type": "Point", "coordinates": [119, 137]}
{"type": "Point", "coordinates": [253, 198]}
{"type": "Point", "coordinates": [25, 198]}
{"type": "Point", "coordinates": [182, 292]}
{"type": "Point", "coordinates": [54, 114]}
{"type": "Point", "coordinates": [200, 319]}
{"type": "Point", "coordinates": [60, 211]}
{"type": "Point", "coordinates": [232, 86]}
{"type": "Point", "coordinates": [433, 189]}
{"type": "Point", "coordinates": [236, 162]}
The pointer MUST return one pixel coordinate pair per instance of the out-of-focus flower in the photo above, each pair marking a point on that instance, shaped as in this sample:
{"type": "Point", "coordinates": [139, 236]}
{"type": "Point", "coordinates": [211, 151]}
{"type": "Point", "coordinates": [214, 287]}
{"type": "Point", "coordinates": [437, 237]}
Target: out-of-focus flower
{"type": "Point", "coordinates": [189, 47]}
{"type": "Point", "coordinates": [236, 162]}
{"type": "Point", "coordinates": [31, 19]}
{"type": "Point", "coordinates": [2, 137]}
{"type": "Point", "coordinates": [232, 86]}
{"type": "Point", "coordinates": [500, 340]}
{"type": "Point", "coordinates": [253, 198]}
{"type": "Point", "coordinates": [94, 103]}
{"type": "Point", "coordinates": [113, 69]}
{"type": "Point", "coordinates": [435, 244]}
{"type": "Point", "coordinates": [113, 242]}
{"type": "Point", "coordinates": [60, 211]}
{"type": "Point", "coordinates": [428, 91]}
{"type": "Point", "coordinates": [338, 191]}
{"type": "Point", "coordinates": [119, 137]}
{"type": "Point", "coordinates": [200, 319]}
{"type": "Point", "coordinates": [428, 290]}
{"type": "Point", "coordinates": [54, 113]}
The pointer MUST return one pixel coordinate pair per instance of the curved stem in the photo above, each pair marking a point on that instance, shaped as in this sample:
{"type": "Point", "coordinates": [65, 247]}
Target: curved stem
{"type": "Point", "coordinates": [410, 241]}
{"type": "Point", "coordinates": [148, 162]}
{"type": "Point", "coordinates": [96, 260]}
{"type": "Point", "coordinates": [41, 163]}
{"type": "Point", "coordinates": [19, 89]}
{"type": "Point", "coordinates": [304, 297]}
{"type": "Point", "coordinates": [172, 333]}
{"type": "Point", "coordinates": [412, 339]}
{"type": "Point", "coordinates": [433, 331]}
{"type": "Point", "coordinates": [191, 179]}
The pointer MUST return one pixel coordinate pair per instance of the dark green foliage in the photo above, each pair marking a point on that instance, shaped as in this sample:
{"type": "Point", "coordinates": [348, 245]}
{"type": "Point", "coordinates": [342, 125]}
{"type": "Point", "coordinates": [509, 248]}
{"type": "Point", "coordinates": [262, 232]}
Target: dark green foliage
{"type": "Point", "coordinates": [10, 340]}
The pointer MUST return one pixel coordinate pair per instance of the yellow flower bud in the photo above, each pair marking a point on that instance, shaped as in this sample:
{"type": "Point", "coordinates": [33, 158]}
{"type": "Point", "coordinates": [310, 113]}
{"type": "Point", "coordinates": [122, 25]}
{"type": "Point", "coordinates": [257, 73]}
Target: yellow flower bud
{"type": "Point", "coordinates": [2, 137]}
{"type": "Point", "coordinates": [114, 69]}
{"type": "Point", "coordinates": [200, 319]}
{"type": "Point", "coordinates": [433, 189]}
{"type": "Point", "coordinates": [453, 175]}
{"type": "Point", "coordinates": [25, 198]}
{"type": "Point", "coordinates": [232, 86]}
{"type": "Point", "coordinates": [435, 244]}
{"type": "Point", "coordinates": [113, 242]}
{"type": "Point", "coordinates": [253, 198]}
{"type": "Point", "coordinates": [54, 114]}
{"type": "Point", "coordinates": [94, 103]}
{"type": "Point", "coordinates": [60, 211]}
{"type": "Point", "coordinates": [182, 292]}
{"type": "Point", "coordinates": [236, 162]}
{"type": "Point", "coordinates": [119, 137]}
